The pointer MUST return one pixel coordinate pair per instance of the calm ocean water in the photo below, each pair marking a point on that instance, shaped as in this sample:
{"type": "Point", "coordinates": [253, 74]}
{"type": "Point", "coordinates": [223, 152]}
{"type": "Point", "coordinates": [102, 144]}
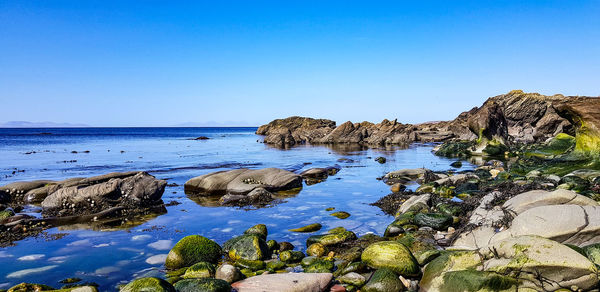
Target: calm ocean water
{"type": "Point", "coordinates": [113, 256]}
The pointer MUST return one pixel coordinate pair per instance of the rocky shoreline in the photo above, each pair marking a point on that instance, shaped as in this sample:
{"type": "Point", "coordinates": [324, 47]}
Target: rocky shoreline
{"type": "Point", "coordinates": [526, 219]}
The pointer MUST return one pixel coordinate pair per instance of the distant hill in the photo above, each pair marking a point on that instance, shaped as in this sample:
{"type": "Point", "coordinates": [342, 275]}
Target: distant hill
{"type": "Point", "coordinates": [24, 124]}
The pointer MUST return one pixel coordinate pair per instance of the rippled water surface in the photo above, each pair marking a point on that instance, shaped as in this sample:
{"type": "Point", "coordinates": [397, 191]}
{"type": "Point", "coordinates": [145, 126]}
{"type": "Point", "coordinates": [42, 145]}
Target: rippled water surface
{"type": "Point", "coordinates": [110, 257]}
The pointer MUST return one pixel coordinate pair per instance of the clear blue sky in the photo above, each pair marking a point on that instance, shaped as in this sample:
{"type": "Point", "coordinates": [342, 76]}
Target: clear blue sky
{"type": "Point", "coordinates": [153, 63]}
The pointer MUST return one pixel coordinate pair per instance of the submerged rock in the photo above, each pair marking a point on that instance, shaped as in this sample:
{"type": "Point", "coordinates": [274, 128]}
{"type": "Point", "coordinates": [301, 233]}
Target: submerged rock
{"type": "Point", "coordinates": [308, 228]}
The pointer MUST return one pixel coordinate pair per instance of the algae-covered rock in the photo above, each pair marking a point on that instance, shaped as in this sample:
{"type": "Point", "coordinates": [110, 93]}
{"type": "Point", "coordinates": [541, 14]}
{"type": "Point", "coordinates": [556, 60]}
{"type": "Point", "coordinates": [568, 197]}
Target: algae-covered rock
{"type": "Point", "coordinates": [448, 261]}
{"type": "Point", "coordinates": [248, 247]}
{"type": "Point", "coordinates": [383, 280]}
{"type": "Point", "coordinates": [275, 265]}
{"type": "Point", "coordinates": [424, 257]}
{"type": "Point", "coordinates": [259, 230]}
{"type": "Point", "coordinates": [27, 287]}
{"type": "Point", "coordinates": [357, 267]}
{"type": "Point", "coordinates": [316, 249]}
{"type": "Point", "coordinates": [291, 256]}
{"type": "Point", "coordinates": [592, 252]}
{"type": "Point", "coordinates": [437, 221]}
{"type": "Point", "coordinates": [480, 281]}
{"type": "Point", "coordinates": [253, 265]}
{"type": "Point", "coordinates": [192, 249]}
{"type": "Point", "coordinates": [200, 270]}
{"type": "Point", "coordinates": [352, 278]}
{"type": "Point", "coordinates": [149, 284]}
{"type": "Point", "coordinates": [284, 245]}
{"type": "Point", "coordinates": [6, 213]}
{"type": "Point", "coordinates": [392, 255]}
{"type": "Point", "coordinates": [203, 285]}
{"type": "Point", "coordinates": [495, 148]}
{"type": "Point", "coordinates": [331, 239]}
{"type": "Point", "coordinates": [320, 265]}
{"type": "Point", "coordinates": [273, 245]}
{"type": "Point", "coordinates": [340, 214]}
{"type": "Point", "coordinates": [308, 228]}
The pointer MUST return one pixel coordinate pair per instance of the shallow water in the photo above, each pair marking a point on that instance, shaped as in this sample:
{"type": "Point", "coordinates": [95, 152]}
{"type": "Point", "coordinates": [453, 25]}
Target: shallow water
{"type": "Point", "coordinates": [113, 256]}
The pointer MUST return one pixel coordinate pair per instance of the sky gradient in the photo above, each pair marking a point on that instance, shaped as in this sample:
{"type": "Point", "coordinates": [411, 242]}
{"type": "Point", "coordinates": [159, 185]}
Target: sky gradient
{"type": "Point", "coordinates": [158, 63]}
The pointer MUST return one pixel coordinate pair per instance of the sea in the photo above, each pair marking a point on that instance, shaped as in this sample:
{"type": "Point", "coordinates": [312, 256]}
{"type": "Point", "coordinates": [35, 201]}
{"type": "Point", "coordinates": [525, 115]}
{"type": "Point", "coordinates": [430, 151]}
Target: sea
{"type": "Point", "coordinates": [110, 256]}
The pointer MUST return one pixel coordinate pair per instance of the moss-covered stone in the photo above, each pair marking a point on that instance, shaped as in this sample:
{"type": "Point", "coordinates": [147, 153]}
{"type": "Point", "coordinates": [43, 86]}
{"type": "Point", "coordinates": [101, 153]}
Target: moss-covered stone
{"type": "Point", "coordinates": [337, 230]}
{"type": "Point", "coordinates": [284, 245]}
{"type": "Point", "coordinates": [253, 265]}
{"type": "Point", "coordinates": [320, 265]}
{"type": "Point", "coordinates": [202, 285]}
{"type": "Point", "coordinates": [340, 214]}
{"type": "Point", "coordinates": [200, 270]}
{"type": "Point", "coordinates": [276, 265]}
{"type": "Point", "coordinates": [193, 249]}
{"type": "Point", "coordinates": [437, 221]}
{"type": "Point", "coordinates": [448, 261]}
{"type": "Point", "coordinates": [383, 280]}
{"type": "Point", "coordinates": [308, 228]}
{"type": "Point", "coordinates": [426, 256]}
{"type": "Point", "coordinates": [258, 229]}
{"type": "Point", "coordinates": [307, 261]}
{"type": "Point", "coordinates": [248, 247]}
{"type": "Point", "coordinates": [391, 255]}
{"type": "Point", "coordinates": [291, 256]}
{"type": "Point", "coordinates": [476, 281]}
{"type": "Point", "coordinates": [149, 284]}
{"type": "Point", "coordinates": [331, 239]}
{"type": "Point", "coordinates": [273, 245]}
{"type": "Point", "coordinates": [353, 279]}
{"type": "Point", "coordinates": [317, 249]}
{"type": "Point", "coordinates": [357, 267]}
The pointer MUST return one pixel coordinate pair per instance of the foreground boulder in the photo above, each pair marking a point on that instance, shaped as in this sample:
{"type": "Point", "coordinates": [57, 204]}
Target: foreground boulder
{"type": "Point", "coordinates": [193, 249]}
{"type": "Point", "coordinates": [289, 282]}
{"type": "Point", "coordinates": [524, 262]}
{"type": "Point", "coordinates": [391, 255]}
{"type": "Point", "coordinates": [242, 181]}
{"type": "Point", "coordinates": [561, 215]}
{"type": "Point", "coordinates": [148, 284]}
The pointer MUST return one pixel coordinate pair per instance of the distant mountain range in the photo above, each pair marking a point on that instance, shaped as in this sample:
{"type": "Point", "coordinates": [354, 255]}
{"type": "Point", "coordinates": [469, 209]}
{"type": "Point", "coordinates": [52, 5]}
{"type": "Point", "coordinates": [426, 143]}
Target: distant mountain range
{"type": "Point", "coordinates": [216, 124]}
{"type": "Point", "coordinates": [23, 124]}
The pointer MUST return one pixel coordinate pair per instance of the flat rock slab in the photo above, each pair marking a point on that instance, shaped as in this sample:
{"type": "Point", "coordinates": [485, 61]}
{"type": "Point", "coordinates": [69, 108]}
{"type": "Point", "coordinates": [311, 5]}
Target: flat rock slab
{"type": "Point", "coordinates": [291, 282]}
{"type": "Point", "coordinates": [243, 181]}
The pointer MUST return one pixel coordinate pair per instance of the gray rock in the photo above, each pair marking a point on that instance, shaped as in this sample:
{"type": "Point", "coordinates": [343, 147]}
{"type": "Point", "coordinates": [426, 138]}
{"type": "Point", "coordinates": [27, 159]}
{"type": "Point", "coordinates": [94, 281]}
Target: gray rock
{"type": "Point", "coordinates": [242, 181]}
{"type": "Point", "coordinates": [290, 282]}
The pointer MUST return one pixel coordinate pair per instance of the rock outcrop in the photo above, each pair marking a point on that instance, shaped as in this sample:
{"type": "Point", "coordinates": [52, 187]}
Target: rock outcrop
{"type": "Point", "coordinates": [509, 118]}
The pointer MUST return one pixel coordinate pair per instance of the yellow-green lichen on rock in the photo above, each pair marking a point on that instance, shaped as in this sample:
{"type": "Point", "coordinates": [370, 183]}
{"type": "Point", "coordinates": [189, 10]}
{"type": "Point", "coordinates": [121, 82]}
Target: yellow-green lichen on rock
{"type": "Point", "coordinates": [588, 140]}
{"type": "Point", "coordinates": [448, 261]}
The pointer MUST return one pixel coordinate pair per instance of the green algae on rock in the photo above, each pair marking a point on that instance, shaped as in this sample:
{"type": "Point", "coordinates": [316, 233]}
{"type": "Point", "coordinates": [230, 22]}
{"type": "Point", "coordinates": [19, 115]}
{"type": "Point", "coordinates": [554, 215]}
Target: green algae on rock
{"type": "Point", "coordinates": [192, 249]}
{"type": "Point", "coordinates": [316, 249]}
{"type": "Point", "coordinates": [392, 255]}
{"type": "Point", "coordinates": [258, 229]}
{"type": "Point", "coordinates": [200, 270]}
{"type": "Point", "coordinates": [383, 280]}
{"type": "Point", "coordinates": [203, 285]}
{"type": "Point", "coordinates": [149, 284]}
{"type": "Point", "coordinates": [320, 265]}
{"type": "Point", "coordinates": [308, 228]}
{"type": "Point", "coordinates": [291, 256]}
{"type": "Point", "coordinates": [249, 247]}
{"type": "Point", "coordinates": [331, 239]}
{"type": "Point", "coordinates": [437, 221]}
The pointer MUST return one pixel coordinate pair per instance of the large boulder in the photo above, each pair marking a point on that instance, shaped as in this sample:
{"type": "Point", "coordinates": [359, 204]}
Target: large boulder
{"type": "Point", "coordinates": [128, 190]}
{"type": "Point", "coordinates": [540, 263]}
{"type": "Point", "coordinates": [202, 285]}
{"type": "Point", "coordinates": [391, 255]}
{"type": "Point", "coordinates": [295, 130]}
{"type": "Point", "coordinates": [561, 215]}
{"type": "Point", "coordinates": [289, 282]}
{"type": "Point", "coordinates": [149, 284]}
{"type": "Point", "coordinates": [243, 181]}
{"type": "Point", "coordinates": [193, 249]}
